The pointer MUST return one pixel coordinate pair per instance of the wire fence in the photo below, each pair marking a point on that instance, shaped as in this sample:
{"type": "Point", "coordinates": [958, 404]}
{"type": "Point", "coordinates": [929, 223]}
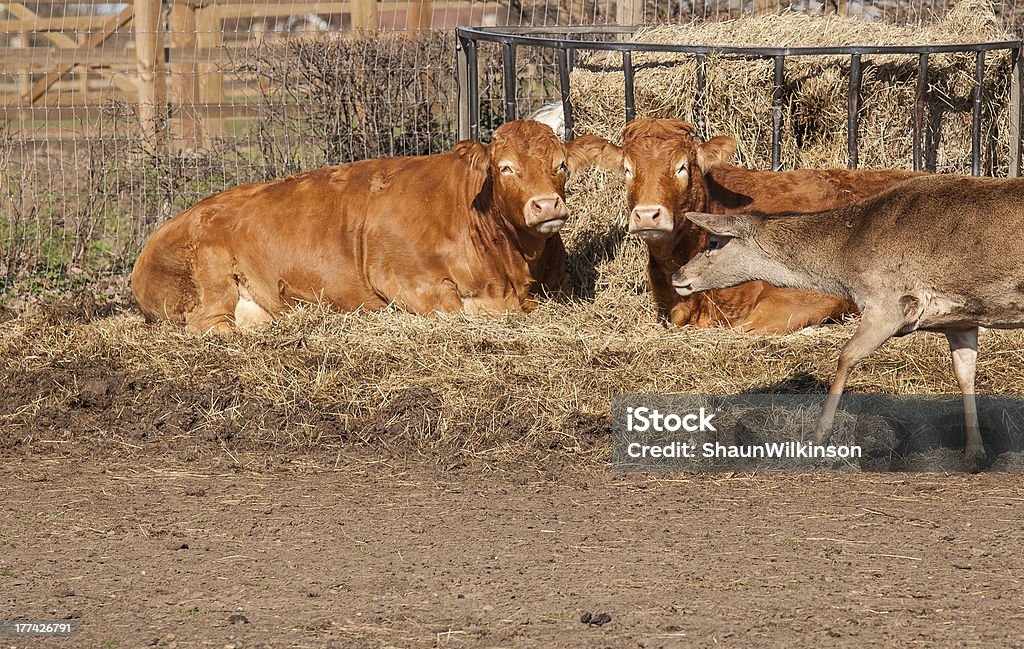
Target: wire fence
{"type": "Point", "coordinates": [116, 116]}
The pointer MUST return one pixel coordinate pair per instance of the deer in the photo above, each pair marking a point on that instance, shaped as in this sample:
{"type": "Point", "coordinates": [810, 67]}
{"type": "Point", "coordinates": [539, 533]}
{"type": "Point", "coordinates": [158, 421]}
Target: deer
{"type": "Point", "coordinates": [938, 253]}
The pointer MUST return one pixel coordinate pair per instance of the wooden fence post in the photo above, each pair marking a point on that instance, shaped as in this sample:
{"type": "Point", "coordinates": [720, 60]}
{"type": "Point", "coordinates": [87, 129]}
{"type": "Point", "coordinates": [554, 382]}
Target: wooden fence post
{"type": "Point", "coordinates": [419, 16]}
{"type": "Point", "coordinates": [209, 35]}
{"type": "Point", "coordinates": [364, 15]}
{"type": "Point", "coordinates": [148, 50]}
{"type": "Point", "coordinates": [186, 125]}
{"type": "Point", "coordinates": [629, 12]}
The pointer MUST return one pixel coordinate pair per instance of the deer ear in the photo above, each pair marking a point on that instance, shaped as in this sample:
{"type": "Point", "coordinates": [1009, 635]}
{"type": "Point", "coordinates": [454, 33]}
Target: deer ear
{"type": "Point", "coordinates": [716, 151]}
{"type": "Point", "coordinates": [723, 225]}
{"type": "Point", "coordinates": [474, 153]}
{"type": "Point", "coordinates": [593, 150]}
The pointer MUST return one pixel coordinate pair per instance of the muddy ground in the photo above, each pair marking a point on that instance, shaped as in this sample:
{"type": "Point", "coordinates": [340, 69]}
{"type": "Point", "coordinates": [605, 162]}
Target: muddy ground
{"type": "Point", "coordinates": [379, 555]}
{"type": "Point", "coordinates": [158, 510]}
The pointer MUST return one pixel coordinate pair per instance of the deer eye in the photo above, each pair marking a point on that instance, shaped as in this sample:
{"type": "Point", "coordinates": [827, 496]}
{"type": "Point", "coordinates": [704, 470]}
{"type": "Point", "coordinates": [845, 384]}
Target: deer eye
{"type": "Point", "coordinates": [715, 243]}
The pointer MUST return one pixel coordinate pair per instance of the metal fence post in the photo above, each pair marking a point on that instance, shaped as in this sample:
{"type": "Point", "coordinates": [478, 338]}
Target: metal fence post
{"type": "Point", "coordinates": [1016, 97]}
{"type": "Point", "coordinates": [462, 76]}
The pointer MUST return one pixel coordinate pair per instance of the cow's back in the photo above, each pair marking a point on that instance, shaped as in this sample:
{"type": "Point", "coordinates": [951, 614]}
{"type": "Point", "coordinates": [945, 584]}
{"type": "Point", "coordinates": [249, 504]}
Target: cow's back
{"type": "Point", "coordinates": [735, 190]}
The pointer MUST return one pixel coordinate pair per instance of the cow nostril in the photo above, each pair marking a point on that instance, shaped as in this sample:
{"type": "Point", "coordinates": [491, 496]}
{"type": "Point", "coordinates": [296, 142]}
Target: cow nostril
{"type": "Point", "coordinates": [536, 206]}
{"type": "Point", "coordinates": [652, 215]}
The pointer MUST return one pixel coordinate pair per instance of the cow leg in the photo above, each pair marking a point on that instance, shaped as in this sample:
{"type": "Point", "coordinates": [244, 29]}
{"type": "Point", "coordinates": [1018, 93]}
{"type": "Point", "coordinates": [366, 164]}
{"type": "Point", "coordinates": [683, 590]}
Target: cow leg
{"type": "Point", "coordinates": [874, 330]}
{"type": "Point", "coordinates": [780, 311]}
{"type": "Point", "coordinates": [963, 345]}
{"type": "Point", "coordinates": [217, 292]}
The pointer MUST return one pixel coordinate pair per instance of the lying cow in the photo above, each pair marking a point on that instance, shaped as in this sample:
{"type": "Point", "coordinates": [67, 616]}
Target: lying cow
{"type": "Point", "coordinates": [669, 172]}
{"type": "Point", "coordinates": [475, 229]}
{"type": "Point", "coordinates": [941, 253]}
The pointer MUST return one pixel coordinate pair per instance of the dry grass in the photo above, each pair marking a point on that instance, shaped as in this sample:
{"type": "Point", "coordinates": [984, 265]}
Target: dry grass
{"type": "Point", "coordinates": [462, 387]}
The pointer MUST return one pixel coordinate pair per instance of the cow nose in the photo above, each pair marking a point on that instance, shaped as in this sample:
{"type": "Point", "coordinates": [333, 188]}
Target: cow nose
{"type": "Point", "coordinates": [648, 217]}
{"type": "Point", "coordinates": [549, 207]}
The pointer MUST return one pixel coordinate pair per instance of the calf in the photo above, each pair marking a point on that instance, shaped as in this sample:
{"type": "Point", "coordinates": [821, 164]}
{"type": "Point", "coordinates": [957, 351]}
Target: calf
{"type": "Point", "coordinates": [669, 172]}
{"type": "Point", "coordinates": [940, 253]}
{"type": "Point", "coordinates": [474, 229]}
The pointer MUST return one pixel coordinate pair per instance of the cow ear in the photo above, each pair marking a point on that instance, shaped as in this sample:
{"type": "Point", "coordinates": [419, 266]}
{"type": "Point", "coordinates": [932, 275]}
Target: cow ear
{"type": "Point", "coordinates": [589, 150]}
{"type": "Point", "coordinates": [474, 153]}
{"type": "Point", "coordinates": [716, 151]}
{"type": "Point", "coordinates": [723, 225]}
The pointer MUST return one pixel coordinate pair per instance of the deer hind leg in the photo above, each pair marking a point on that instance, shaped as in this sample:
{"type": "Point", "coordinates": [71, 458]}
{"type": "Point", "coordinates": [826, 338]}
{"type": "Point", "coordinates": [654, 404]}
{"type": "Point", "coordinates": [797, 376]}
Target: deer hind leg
{"type": "Point", "coordinates": [875, 328]}
{"type": "Point", "coordinates": [963, 345]}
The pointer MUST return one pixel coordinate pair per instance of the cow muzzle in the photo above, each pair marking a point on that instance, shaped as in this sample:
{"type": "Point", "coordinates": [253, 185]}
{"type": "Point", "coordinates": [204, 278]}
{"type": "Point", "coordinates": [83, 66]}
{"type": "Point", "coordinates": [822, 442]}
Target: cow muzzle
{"type": "Point", "coordinates": [650, 222]}
{"type": "Point", "coordinates": [546, 214]}
{"type": "Point", "coordinates": [682, 284]}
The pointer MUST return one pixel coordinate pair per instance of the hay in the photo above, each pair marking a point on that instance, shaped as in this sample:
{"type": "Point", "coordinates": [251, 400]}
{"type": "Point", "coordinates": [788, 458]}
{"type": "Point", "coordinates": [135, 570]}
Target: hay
{"type": "Point", "coordinates": [457, 387]}
{"type": "Point", "coordinates": [739, 90]}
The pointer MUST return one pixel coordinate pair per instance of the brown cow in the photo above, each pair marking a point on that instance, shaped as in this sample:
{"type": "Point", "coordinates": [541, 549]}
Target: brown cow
{"type": "Point", "coordinates": [670, 172]}
{"type": "Point", "coordinates": [474, 229]}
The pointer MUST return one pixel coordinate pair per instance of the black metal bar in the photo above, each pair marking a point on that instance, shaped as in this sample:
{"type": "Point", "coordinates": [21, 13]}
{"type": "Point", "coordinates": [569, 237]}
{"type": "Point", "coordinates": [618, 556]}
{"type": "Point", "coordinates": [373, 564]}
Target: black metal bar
{"type": "Point", "coordinates": [1017, 130]}
{"type": "Point", "coordinates": [627, 72]}
{"type": "Point", "coordinates": [514, 36]}
{"type": "Point", "coordinates": [508, 78]}
{"type": "Point", "coordinates": [508, 35]}
{"type": "Point", "coordinates": [571, 62]}
{"type": "Point", "coordinates": [563, 82]}
{"type": "Point", "coordinates": [700, 101]}
{"type": "Point", "coordinates": [473, 86]}
{"type": "Point", "coordinates": [979, 83]}
{"type": "Point", "coordinates": [919, 99]}
{"type": "Point", "coordinates": [853, 109]}
{"type": "Point", "coordinates": [777, 88]}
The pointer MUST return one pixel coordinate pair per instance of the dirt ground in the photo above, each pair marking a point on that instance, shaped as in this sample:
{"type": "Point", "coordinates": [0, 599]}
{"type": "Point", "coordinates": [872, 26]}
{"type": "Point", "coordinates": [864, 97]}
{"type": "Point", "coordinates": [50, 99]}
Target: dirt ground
{"type": "Point", "coordinates": [160, 495]}
{"type": "Point", "coordinates": [374, 554]}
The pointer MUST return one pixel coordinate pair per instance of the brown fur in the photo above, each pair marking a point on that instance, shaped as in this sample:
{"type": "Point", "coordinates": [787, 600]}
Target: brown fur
{"type": "Point", "coordinates": [653, 146]}
{"type": "Point", "coordinates": [435, 233]}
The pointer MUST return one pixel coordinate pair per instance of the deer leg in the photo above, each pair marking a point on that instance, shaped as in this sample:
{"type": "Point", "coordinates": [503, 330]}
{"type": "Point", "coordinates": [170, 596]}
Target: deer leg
{"type": "Point", "coordinates": [963, 345]}
{"type": "Point", "coordinates": [873, 331]}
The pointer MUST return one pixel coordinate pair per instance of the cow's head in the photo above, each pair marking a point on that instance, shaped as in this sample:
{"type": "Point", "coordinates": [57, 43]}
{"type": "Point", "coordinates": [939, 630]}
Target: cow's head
{"type": "Point", "coordinates": [528, 166]}
{"type": "Point", "coordinates": [665, 162]}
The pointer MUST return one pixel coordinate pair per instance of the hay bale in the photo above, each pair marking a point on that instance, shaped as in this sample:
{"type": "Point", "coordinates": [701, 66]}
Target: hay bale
{"type": "Point", "coordinates": [739, 89]}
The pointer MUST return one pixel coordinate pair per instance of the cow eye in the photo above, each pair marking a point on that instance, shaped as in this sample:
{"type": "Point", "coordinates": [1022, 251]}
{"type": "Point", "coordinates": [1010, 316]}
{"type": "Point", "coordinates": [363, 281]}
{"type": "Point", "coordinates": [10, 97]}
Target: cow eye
{"type": "Point", "coordinates": [629, 171]}
{"type": "Point", "coordinates": [506, 169]}
{"type": "Point", "coordinates": [562, 168]}
{"type": "Point", "coordinates": [681, 170]}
